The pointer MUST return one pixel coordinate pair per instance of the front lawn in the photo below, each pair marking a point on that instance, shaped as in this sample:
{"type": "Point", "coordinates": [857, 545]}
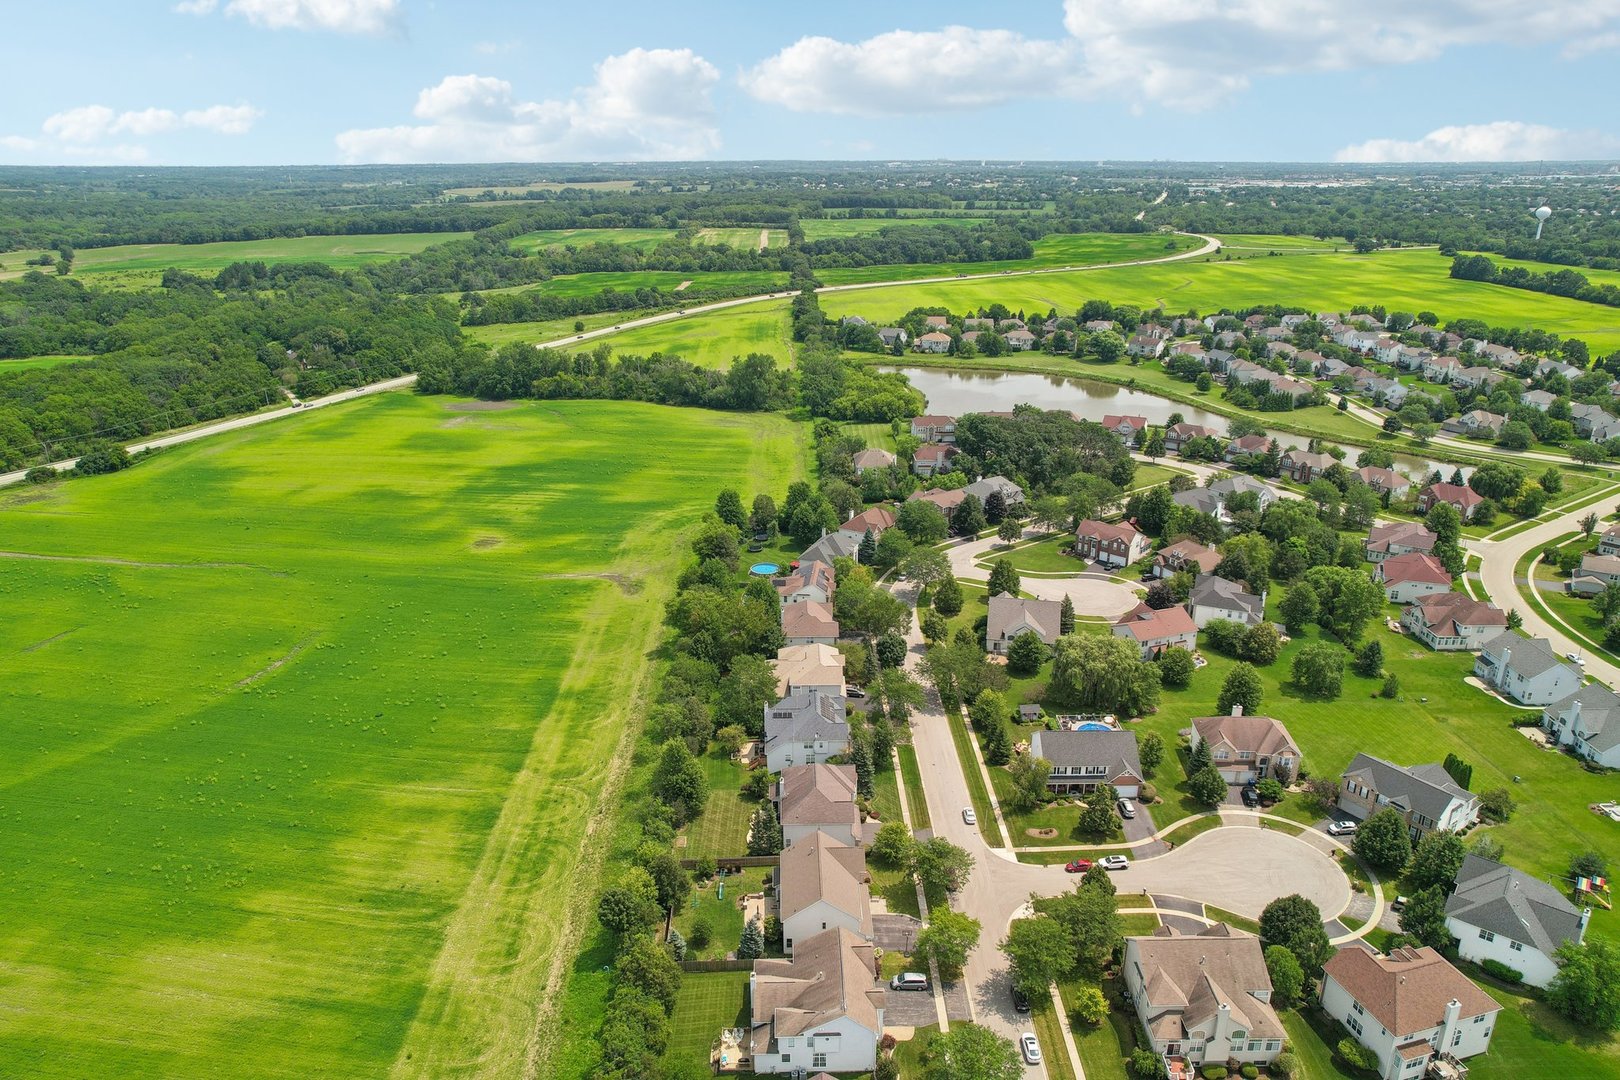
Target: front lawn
{"type": "Point", "coordinates": [1103, 1048]}
{"type": "Point", "coordinates": [1043, 556]}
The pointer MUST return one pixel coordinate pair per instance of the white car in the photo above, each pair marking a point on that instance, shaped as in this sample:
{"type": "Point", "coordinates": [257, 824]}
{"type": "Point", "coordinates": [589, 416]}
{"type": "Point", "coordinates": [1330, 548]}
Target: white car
{"type": "Point", "coordinates": [1574, 658]}
{"type": "Point", "coordinates": [969, 816]}
{"type": "Point", "coordinates": [1341, 828]}
{"type": "Point", "coordinates": [1113, 862]}
{"type": "Point", "coordinates": [1030, 1048]}
{"type": "Point", "coordinates": [1126, 810]}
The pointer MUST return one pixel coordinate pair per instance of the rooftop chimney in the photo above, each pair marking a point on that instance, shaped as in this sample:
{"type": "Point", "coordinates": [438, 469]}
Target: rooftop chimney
{"type": "Point", "coordinates": [1237, 710]}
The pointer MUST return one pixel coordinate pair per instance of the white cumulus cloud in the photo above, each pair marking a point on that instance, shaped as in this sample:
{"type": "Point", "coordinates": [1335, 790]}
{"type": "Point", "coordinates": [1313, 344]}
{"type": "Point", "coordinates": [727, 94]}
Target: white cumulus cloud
{"type": "Point", "coordinates": [95, 131]}
{"type": "Point", "coordinates": [224, 119]}
{"type": "Point", "coordinates": [644, 104]}
{"type": "Point", "coordinates": [338, 16]}
{"type": "Point", "coordinates": [1504, 140]}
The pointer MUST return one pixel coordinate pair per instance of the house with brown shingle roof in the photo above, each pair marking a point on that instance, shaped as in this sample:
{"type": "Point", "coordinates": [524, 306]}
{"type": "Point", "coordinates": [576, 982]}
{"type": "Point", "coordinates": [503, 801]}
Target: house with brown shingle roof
{"type": "Point", "coordinates": [879, 519]}
{"type": "Point", "coordinates": [1185, 555]}
{"type": "Point", "coordinates": [1384, 481]}
{"type": "Point", "coordinates": [946, 499]}
{"type": "Point", "coordinates": [1204, 997]}
{"type": "Point", "coordinates": [1462, 498]}
{"type": "Point", "coordinates": [1111, 545]}
{"type": "Point", "coordinates": [821, 885]}
{"type": "Point", "coordinates": [1408, 1008]}
{"type": "Point", "coordinates": [1398, 539]}
{"type": "Point", "coordinates": [809, 667]}
{"type": "Point", "coordinates": [934, 429]}
{"type": "Point", "coordinates": [872, 459]}
{"type": "Point", "coordinates": [932, 342]}
{"type": "Point", "coordinates": [1302, 466]}
{"type": "Point", "coordinates": [823, 1009]}
{"type": "Point", "coordinates": [1155, 631]}
{"type": "Point", "coordinates": [1126, 427]}
{"type": "Point", "coordinates": [1410, 577]}
{"type": "Point", "coordinates": [811, 581]}
{"type": "Point", "coordinates": [809, 622]}
{"type": "Point", "coordinates": [1452, 622]}
{"type": "Point", "coordinates": [1010, 616]}
{"type": "Point", "coordinates": [1246, 748]}
{"type": "Point", "coordinates": [1177, 436]}
{"type": "Point", "coordinates": [932, 458]}
{"type": "Point", "coordinates": [818, 798]}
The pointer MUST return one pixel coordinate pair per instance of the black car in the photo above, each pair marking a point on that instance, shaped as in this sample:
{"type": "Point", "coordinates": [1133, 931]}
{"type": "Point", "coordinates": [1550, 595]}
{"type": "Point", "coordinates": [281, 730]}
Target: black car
{"type": "Point", "coordinates": [1251, 796]}
{"type": "Point", "coordinates": [1020, 1002]}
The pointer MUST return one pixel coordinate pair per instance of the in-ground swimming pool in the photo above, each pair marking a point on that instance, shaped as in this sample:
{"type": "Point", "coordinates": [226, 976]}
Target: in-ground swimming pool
{"type": "Point", "coordinates": [763, 569]}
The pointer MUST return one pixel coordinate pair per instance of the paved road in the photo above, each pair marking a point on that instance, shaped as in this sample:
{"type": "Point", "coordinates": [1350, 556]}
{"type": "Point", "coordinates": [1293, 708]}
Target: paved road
{"type": "Point", "coordinates": [1094, 594]}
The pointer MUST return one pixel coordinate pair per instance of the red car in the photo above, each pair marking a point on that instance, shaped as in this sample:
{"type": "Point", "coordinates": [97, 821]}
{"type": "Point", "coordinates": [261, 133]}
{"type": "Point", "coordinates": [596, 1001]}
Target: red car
{"type": "Point", "coordinates": [1078, 866]}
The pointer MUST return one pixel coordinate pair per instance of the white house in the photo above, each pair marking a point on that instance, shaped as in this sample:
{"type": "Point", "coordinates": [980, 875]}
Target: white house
{"type": "Point", "coordinates": [1399, 538]}
{"type": "Point", "coordinates": [1452, 622]}
{"type": "Point", "coordinates": [804, 728]}
{"type": "Point", "coordinates": [1424, 795]}
{"type": "Point", "coordinates": [1527, 670]}
{"type": "Point", "coordinates": [811, 581]}
{"type": "Point", "coordinates": [809, 667]}
{"type": "Point", "coordinates": [1204, 997]}
{"type": "Point", "coordinates": [1409, 1008]}
{"type": "Point", "coordinates": [1083, 760]}
{"type": "Point", "coordinates": [1010, 616]}
{"type": "Point", "coordinates": [821, 1010]}
{"type": "Point", "coordinates": [1154, 631]}
{"type": "Point", "coordinates": [1217, 598]}
{"type": "Point", "coordinates": [818, 798]}
{"type": "Point", "coordinates": [806, 622]}
{"type": "Point", "coordinates": [1244, 748]}
{"type": "Point", "coordinates": [1410, 577]}
{"type": "Point", "coordinates": [821, 885]}
{"type": "Point", "coordinates": [1502, 914]}
{"type": "Point", "coordinates": [1588, 724]}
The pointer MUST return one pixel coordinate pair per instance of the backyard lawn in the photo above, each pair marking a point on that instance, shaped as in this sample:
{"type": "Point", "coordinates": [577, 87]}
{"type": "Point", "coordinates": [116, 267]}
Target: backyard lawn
{"type": "Point", "coordinates": [706, 1002]}
{"type": "Point", "coordinates": [722, 829]}
{"type": "Point", "coordinates": [723, 914]}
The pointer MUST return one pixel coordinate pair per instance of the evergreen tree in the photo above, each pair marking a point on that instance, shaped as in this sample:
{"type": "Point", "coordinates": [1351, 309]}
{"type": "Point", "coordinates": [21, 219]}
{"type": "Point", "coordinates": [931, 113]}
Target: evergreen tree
{"type": "Point", "coordinates": [1004, 578]}
{"type": "Point", "coordinates": [1199, 759]}
{"type": "Point", "coordinates": [1370, 660]}
{"type": "Point", "coordinates": [860, 755]}
{"type": "Point", "coordinates": [1066, 616]}
{"type": "Point", "coordinates": [997, 743]}
{"type": "Point", "coordinates": [948, 596]}
{"type": "Point", "coordinates": [882, 742]}
{"type": "Point", "coordinates": [752, 945]}
{"type": "Point", "coordinates": [995, 507]}
{"type": "Point", "coordinates": [765, 832]}
{"type": "Point", "coordinates": [867, 553]}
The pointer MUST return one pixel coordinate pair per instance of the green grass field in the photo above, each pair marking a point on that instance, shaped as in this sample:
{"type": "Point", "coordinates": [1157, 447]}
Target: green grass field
{"type": "Point", "coordinates": [743, 239]}
{"type": "Point", "coordinates": [1059, 249]}
{"type": "Point", "coordinates": [668, 280]}
{"type": "Point", "coordinates": [640, 239]}
{"type": "Point", "coordinates": [716, 338]}
{"type": "Point", "coordinates": [706, 1002]}
{"type": "Point", "coordinates": [824, 228]}
{"type": "Point", "coordinates": [143, 264]}
{"type": "Point", "coordinates": [1407, 279]}
{"type": "Point", "coordinates": [29, 363]}
{"type": "Point", "coordinates": [1248, 245]}
{"type": "Point", "coordinates": [309, 726]}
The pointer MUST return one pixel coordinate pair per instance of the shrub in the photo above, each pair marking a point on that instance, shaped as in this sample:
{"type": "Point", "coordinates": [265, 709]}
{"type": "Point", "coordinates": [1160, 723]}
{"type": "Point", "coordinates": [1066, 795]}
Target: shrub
{"type": "Point", "coordinates": [1145, 1064]}
{"type": "Point", "coordinates": [1283, 1064]}
{"type": "Point", "coordinates": [1249, 1072]}
{"type": "Point", "coordinates": [41, 474]}
{"type": "Point", "coordinates": [1354, 1054]}
{"type": "Point", "coordinates": [1501, 972]}
{"type": "Point", "coordinates": [702, 932]}
{"type": "Point", "coordinates": [1214, 1072]}
{"type": "Point", "coordinates": [1147, 793]}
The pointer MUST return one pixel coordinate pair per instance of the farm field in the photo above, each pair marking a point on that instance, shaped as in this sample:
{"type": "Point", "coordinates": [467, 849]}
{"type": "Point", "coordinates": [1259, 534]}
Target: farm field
{"type": "Point", "coordinates": [311, 753]}
{"type": "Point", "coordinates": [668, 280]}
{"type": "Point", "coordinates": [747, 239]}
{"type": "Point", "coordinates": [529, 333]}
{"type": "Point", "coordinates": [1250, 244]}
{"type": "Point", "coordinates": [1408, 279]}
{"type": "Point", "coordinates": [823, 228]}
{"type": "Point", "coordinates": [1064, 249]}
{"type": "Point", "coordinates": [715, 338]}
{"type": "Point", "coordinates": [640, 239]}
{"type": "Point", "coordinates": [143, 264]}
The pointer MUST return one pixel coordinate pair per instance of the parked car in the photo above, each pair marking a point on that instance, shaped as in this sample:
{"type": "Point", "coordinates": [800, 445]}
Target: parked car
{"type": "Point", "coordinates": [1399, 904]}
{"type": "Point", "coordinates": [1251, 796]}
{"type": "Point", "coordinates": [1030, 1048]}
{"type": "Point", "coordinates": [1341, 828]}
{"type": "Point", "coordinates": [1020, 1002]}
{"type": "Point", "coordinates": [854, 692]}
{"type": "Point", "coordinates": [909, 980]}
{"type": "Point", "coordinates": [1113, 862]}
{"type": "Point", "coordinates": [969, 816]}
{"type": "Point", "coordinates": [1126, 809]}
{"type": "Point", "coordinates": [1077, 866]}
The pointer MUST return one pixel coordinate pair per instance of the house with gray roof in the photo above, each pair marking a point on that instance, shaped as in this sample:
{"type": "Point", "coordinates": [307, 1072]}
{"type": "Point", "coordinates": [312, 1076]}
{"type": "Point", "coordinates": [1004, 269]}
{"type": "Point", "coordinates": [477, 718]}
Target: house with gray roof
{"type": "Point", "coordinates": [1243, 484]}
{"type": "Point", "coordinates": [1217, 598]}
{"type": "Point", "coordinates": [805, 727]}
{"type": "Point", "coordinates": [1204, 501]}
{"type": "Point", "coordinates": [832, 546]}
{"type": "Point", "coordinates": [1502, 914]}
{"type": "Point", "coordinates": [823, 1009]}
{"type": "Point", "coordinates": [1528, 670]}
{"type": "Point", "coordinates": [1010, 616]}
{"type": "Point", "coordinates": [818, 798]}
{"type": "Point", "coordinates": [1540, 400]}
{"type": "Point", "coordinates": [1084, 760]}
{"type": "Point", "coordinates": [1587, 723]}
{"type": "Point", "coordinates": [1425, 795]}
{"type": "Point", "coordinates": [1011, 494]}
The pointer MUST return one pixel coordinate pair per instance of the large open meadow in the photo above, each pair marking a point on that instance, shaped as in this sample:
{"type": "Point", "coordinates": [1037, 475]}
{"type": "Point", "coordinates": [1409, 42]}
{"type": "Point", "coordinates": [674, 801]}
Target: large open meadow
{"type": "Point", "coordinates": [1408, 279]}
{"type": "Point", "coordinates": [1058, 249]}
{"type": "Point", "coordinates": [143, 264]}
{"type": "Point", "coordinates": [310, 727]}
{"type": "Point", "coordinates": [715, 338]}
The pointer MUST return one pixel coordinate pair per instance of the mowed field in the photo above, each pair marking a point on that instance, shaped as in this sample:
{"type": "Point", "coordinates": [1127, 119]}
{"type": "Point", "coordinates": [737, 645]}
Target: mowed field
{"type": "Point", "coordinates": [308, 727]}
{"type": "Point", "coordinates": [743, 238]}
{"type": "Point", "coordinates": [27, 363]}
{"type": "Point", "coordinates": [145, 263]}
{"type": "Point", "coordinates": [1066, 249]}
{"type": "Point", "coordinates": [668, 280]}
{"type": "Point", "coordinates": [713, 339]}
{"type": "Point", "coordinates": [824, 228]}
{"type": "Point", "coordinates": [1410, 280]}
{"type": "Point", "coordinates": [640, 239]}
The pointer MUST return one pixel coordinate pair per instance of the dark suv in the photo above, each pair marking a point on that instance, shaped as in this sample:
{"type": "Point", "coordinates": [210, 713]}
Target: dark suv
{"type": "Point", "coordinates": [1020, 1002]}
{"type": "Point", "coordinates": [1251, 796]}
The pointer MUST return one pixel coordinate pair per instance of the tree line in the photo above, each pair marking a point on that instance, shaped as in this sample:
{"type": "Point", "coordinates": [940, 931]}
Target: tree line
{"type": "Point", "coordinates": [1570, 283]}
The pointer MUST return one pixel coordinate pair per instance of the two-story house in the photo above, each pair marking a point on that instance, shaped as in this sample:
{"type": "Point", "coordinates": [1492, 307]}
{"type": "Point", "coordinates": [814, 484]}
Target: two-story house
{"type": "Point", "coordinates": [808, 667]}
{"type": "Point", "coordinates": [1245, 748]}
{"type": "Point", "coordinates": [1587, 723]}
{"type": "Point", "coordinates": [1127, 428]}
{"type": "Point", "coordinates": [1154, 631]}
{"type": "Point", "coordinates": [1425, 795]}
{"type": "Point", "coordinates": [807, 622]}
{"type": "Point", "coordinates": [1410, 577]}
{"type": "Point", "coordinates": [934, 429]}
{"type": "Point", "coordinates": [1084, 760]}
{"type": "Point", "coordinates": [1010, 616]}
{"type": "Point", "coordinates": [1409, 1008]}
{"type": "Point", "coordinates": [804, 728]}
{"type": "Point", "coordinates": [1217, 598]}
{"type": "Point", "coordinates": [1528, 670]}
{"type": "Point", "coordinates": [1302, 466]}
{"type": "Point", "coordinates": [1111, 545]}
{"type": "Point", "coordinates": [1452, 621]}
{"type": "Point", "coordinates": [818, 798]}
{"type": "Point", "coordinates": [821, 1011]}
{"type": "Point", "coordinates": [1399, 538]}
{"type": "Point", "coordinates": [1465, 500]}
{"type": "Point", "coordinates": [1185, 555]}
{"type": "Point", "coordinates": [822, 885]}
{"type": "Point", "coordinates": [813, 580]}
{"type": "Point", "coordinates": [1502, 914]}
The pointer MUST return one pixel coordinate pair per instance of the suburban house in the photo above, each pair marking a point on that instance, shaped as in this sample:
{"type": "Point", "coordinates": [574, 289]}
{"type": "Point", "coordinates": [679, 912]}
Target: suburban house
{"type": "Point", "coordinates": [872, 459]}
{"type": "Point", "coordinates": [1019, 340]}
{"type": "Point", "coordinates": [1011, 494]}
{"type": "Point", "coordinates": [876, 519]}
{"type": "Point", "coordinates": [892, 336]}
{"type": "Point", "coordinates": [1083, 760]}
{"type": "Point", "coordinates": [1303, 466]}
{"type": "Point", "coordinates": [1460, 497]}
{"type": "Point", "coordinates": [1203, 500]}
{"type": "Point", "coordinates": [1593, 422]}
{"type": "Point", "coordinates": [1609, 542]}
{"type": "Point", "coordinates": [1408, 577]}
{"type": "Point", "coordinates": [1155, 631]}
{"type": "Point", "coordinates": [811, 581]}
{"type": "Point", "coordinates": [1204, 997]}
{"type": "Point", "coordinates": [934, 429]}
{"type": "Point", "coordinates": [805, 727]}
{"type": "Point", "coordinates": [1010, 616]}
{"type": "Point", "coordinates": [1144, 344]}
{"type": "Point", "coordinates": [1245, 748]}
{"type": "Point", "coordinates": [1126, 427]}
{"type": "Point", "coordinates": [1452, 622]}
{"type": "Point", "coordinates": [1401, 538]}
{"type": "Point", "coordinates": [1409, 1008]}
{"type": "Point", "coordinates": [1502, 914]}
{"type": "Point", "coordinates": [1217, 598]}
{"type": "Point", "coordinates": [834, 545]}
{"type": "Point", "coordinates": [809, 622]}
{"type": "Point", "coordinates": [1245, 445]}
{"type": "Point", "coordinates": [1587, 723]}
{"type": "Point", "coordinates": [946, 500]}
{"type": "Point", "coordinates": [1477, 422]}
{"type": "Point", "coordinates": [808, 667]}
{"type": "Point", "coordinates": [1384, 481]}
{"type": "Point", "coordinates": [821, 885]}
{"type": "Point", "coordinates": [1185, 555]}
{"type": "Point", "coordinates": [1388, 392]}
{"type": "Point", "coordinates": [1528, 670]}
{"type": "Point", "coordinates": [1177, 436]}
{"type": "Point", "coordinates": [1241, 484]}
{"type": "Point", "coordinates": [818, 798]}
{"type": "Point", "coordinates": [1111, 545]}
{"type": "Point", "coordinates": [1595, 573]}
{"type": "Point", "coordinates": [1540, 400]}
{"type": "Point", "coordinates": [821, 1010]}
{"type": "Point", "coordinates": [932, 458]}
{"type": "Point", "coordinates": [1425, 795]}
{"type": "Point", "coordinates": [933, 342]}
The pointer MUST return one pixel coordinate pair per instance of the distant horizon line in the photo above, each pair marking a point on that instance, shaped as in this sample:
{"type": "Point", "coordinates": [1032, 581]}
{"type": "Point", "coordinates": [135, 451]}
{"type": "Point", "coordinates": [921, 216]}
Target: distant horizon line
{"type": "Point", "coordinates": [981, 162]}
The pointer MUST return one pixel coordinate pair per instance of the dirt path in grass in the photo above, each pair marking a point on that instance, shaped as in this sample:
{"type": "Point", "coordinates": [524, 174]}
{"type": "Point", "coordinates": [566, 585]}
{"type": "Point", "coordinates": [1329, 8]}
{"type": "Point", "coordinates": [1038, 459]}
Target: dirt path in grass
{"type": "Point", "coordinates": [107, 560]}
{"type": "Point", "coordinates": [683, 286]}
{"type": "Point", "coordinates": [764, 239]}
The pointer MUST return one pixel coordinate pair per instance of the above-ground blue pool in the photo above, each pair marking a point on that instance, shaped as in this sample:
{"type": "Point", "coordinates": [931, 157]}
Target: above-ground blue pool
{"type": "Point", "coordinates": [1093, 726]}
{"type": "Point", "coordinates": [763, 569]}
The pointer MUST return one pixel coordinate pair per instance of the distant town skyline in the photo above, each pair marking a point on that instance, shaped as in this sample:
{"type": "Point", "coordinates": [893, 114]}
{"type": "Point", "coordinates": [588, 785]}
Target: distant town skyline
{"type": "Point", "coordinates": [246, 82]}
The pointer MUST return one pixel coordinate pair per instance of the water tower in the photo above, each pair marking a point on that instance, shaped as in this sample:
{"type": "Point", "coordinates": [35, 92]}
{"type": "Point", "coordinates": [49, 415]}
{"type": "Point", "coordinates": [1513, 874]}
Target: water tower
{"type": "Point", "coordinates": [1542, 213]}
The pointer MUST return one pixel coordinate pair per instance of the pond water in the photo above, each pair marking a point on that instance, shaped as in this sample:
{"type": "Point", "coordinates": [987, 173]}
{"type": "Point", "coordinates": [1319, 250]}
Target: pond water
{"type": "Point", "coordinates": [956, 392]}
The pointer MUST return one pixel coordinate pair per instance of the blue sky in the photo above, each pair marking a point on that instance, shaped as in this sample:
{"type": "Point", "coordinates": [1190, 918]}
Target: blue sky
{"type": "Point", "coordinates": [319, 81]}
